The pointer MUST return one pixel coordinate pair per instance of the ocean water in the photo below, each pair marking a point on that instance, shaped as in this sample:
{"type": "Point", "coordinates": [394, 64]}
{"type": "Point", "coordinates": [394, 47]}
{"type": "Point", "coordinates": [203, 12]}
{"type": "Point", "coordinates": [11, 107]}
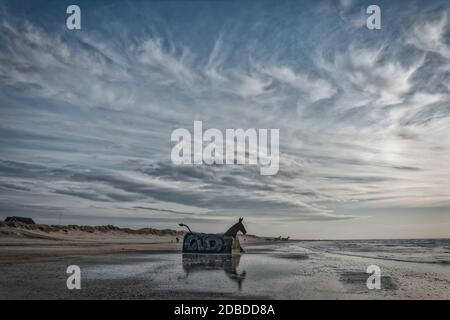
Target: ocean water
{"type": "Point", "coordinates": [295, 270]}
{"type": "Point", "coordinates": [409, 250]}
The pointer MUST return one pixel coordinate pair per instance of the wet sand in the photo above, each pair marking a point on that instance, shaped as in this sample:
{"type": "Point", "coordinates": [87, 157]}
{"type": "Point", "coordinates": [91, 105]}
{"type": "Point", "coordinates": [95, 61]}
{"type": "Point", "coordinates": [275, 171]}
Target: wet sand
{"type": "Point", "coordinates": [282, 270]}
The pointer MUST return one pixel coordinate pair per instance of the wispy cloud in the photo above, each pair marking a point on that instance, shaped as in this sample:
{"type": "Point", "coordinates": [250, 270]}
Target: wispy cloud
{"type": "Point", "coordinates": [88, 116]}
{"type": "Point", "coordinates": [431, 35]}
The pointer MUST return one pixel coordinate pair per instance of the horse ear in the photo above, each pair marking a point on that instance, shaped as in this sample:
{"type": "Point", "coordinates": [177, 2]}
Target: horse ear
{"type": "Point", "coordinates": [240, 219]}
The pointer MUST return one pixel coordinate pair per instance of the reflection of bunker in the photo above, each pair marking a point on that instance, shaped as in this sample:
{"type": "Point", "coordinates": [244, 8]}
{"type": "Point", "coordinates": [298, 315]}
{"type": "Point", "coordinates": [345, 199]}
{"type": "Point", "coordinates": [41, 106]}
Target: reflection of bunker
{"type": "Point", "coordinates": [196, 263]}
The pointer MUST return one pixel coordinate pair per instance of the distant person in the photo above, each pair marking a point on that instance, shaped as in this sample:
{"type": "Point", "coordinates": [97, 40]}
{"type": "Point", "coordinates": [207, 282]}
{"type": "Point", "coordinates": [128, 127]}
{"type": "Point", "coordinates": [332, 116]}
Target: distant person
{"type": "Point", "coordinates": [178, 240]}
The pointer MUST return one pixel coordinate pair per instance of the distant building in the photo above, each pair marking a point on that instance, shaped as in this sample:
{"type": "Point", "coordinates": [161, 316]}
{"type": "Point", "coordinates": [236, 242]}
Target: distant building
{"type": "Point", "coordinates": [20, 219]}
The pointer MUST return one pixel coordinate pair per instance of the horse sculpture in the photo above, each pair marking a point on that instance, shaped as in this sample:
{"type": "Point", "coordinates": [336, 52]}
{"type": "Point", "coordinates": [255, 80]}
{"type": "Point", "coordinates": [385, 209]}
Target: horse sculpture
{"type": "Point", "coordinates": [227, 242]}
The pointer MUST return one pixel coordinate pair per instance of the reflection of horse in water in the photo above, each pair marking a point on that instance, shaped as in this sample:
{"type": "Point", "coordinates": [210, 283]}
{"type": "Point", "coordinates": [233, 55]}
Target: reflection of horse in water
{"type": "Point", "coordinates": [214, 243]}
{"type": "Point", "coordinates": [193, 263]}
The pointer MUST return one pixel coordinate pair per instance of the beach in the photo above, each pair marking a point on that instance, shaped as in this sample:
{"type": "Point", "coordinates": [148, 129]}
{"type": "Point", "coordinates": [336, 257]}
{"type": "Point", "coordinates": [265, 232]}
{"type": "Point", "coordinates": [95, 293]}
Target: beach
{"type": "Point", "coordinates": [153, 267]}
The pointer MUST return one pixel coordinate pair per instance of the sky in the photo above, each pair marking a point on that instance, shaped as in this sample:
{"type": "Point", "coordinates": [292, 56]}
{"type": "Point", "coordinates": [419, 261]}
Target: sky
{"type": "Point", "coordinates": [364, 115]}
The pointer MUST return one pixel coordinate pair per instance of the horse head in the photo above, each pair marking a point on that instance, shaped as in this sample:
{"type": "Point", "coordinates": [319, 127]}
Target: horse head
{"type": "Point", "coordinates": [241, 226]}
{"type": "Point", "coordinates": [236, 228]}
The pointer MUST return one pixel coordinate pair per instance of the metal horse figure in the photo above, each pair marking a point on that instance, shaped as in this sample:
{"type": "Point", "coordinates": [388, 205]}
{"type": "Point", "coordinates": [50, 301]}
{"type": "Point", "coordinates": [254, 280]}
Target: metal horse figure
{"type": "Point", "coordinates": [232, 232]}
{"type": "Point", "coordinates": [213, 243]}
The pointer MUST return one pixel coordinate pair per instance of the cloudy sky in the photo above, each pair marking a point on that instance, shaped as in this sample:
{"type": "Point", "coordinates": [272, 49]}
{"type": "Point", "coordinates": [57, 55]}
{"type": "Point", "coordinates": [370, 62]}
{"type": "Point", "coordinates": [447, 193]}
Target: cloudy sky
{"type": "Point", "coordinates": [364, 115]}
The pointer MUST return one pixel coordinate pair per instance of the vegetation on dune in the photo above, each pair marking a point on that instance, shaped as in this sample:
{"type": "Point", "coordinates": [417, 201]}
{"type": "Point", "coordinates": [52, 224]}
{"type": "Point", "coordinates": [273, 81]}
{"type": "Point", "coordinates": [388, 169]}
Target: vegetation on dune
{"type": "Point", "coordinates": [90, 229]}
